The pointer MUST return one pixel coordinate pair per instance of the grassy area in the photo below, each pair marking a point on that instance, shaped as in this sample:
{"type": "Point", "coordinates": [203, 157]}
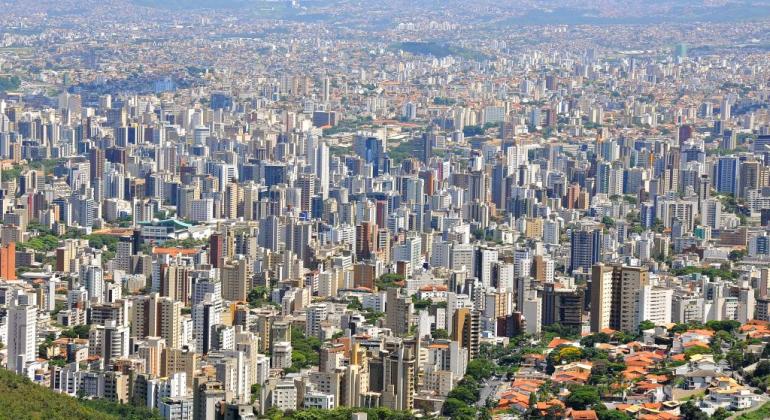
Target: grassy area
{"type": "Point", "coordinates": [762, 412]}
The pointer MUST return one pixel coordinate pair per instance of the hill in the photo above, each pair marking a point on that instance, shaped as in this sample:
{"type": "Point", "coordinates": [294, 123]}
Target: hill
{"type": "Point", "coordinates": [20, 398]}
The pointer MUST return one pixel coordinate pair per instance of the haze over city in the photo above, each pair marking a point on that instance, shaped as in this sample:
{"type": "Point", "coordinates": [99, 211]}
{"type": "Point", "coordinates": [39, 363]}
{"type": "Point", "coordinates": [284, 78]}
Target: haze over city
{"type": "Point", "coordinates": [384, 210]}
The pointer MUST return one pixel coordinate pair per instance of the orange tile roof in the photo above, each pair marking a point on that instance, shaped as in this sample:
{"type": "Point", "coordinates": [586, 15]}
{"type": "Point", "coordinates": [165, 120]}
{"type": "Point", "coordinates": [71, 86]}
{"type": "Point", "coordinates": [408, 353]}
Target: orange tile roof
{"type": "Point", "coordinates": [695, 343]}
{"type": "Point", "coordinates": [558, 341]}
{"type": "Point", "coordinates": [434, 287]}
{"type": "Point", "coordinates": [658, 416]}
{"type": "Point", "coordinates": [571, 376]}
{"type": "Point", "coordinates": [583, 415]}
{"type": "Point", "coordinates": [707, 333]}
{"type": "Point", "coordinates": [174, 251]}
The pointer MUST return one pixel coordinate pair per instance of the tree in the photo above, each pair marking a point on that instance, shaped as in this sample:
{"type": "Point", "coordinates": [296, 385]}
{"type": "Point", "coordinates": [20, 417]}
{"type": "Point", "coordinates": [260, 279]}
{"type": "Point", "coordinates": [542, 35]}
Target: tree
{"type": "Point", "coordinates": [726, 325]}
{"type": "Point", "coordinates": [452, 406]}
{"type": "Point", "coordinates": [570, 354]}
{"type": "Point", "coordinates": [689, 411]}
{"type": "Point", "coordinates": [591, 340]}
{"type": "Point", "coordinates": [646, 325]}
{"type": "Point", "coordinates": [696, 350]}
{"type": "Point", "coordinates": [612, 415]}
{"type": "Point", "coordinates": [583, 397]}
{"type": "Point", "coordinates": [480, 369]}
{"type": "Point", "coordinates": [735, 358]}
{"type": "Point", "coordinates": [440, 333]}
{"type": "Point", "coordinates": [721, 414]}
{"type": "Point", "coordinates": [763, 369]}
{"type": "Point", "coordinates": [78, 331]}
{"type": "Point", "coordinates": [355, 304]}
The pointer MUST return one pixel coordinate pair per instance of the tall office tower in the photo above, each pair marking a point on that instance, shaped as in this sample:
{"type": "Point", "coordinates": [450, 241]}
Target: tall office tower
{"type": "Point", "coordinates": [409, 251]}
{"type": "Point", "coordinates": [585, 248]}
{"type": "Point", "coordinates": [8, 261]}
{"type": "Point", "coordinates": [216, 249]}
{"type": "Point", "coordinates": [205, 316]}
{"type": "Point", "coordinates": [96, 161]}
{"type": "Point", "coordinates": [175, 283]}
{"type": "Point", "coordinates": [702, 189]}
{"type": "Point", "coordinates": [326, 90]}
{"type": "Point", "coordinates": [428, 139]}
{"type": "Point", "coordinates": [749, 177]}
{"type": "Point", "coordinates": [466, 330]}
{"type": "Point", "coordinates": [170, 322]}
{"type": "Point", "coordinates": [207, 397]}
{"type": "Point", "coordinates": [601, 297]}
{"type": "Point", "coordinates": [398, 312]}
{"type": "Point", "coordinates": [299, 236]}
{"type": "Point", "coordinates": [235, 281]}
{"type": "Point", "coordinates": [269, 232]}
{"type": "Point", "coordinates": [316, 314]}
{"type": "Point", "coordinates": [306, 184]}
{"type": "Point", "coordinates": [231, 198]}
{"type": "Point", "coordinates": [322, 169]}
{"type": "Point", "coordinates": [372, 149]}
{"type": "Point", "coordinates": [727, 175]}
{"type": "Point", "coordinates": [150, 350]}
{"type": "Point", "coordinates": [92, 278]}
{"type": "Point", "coordinates": [484, 260]}
{"type": "Point", "coordinates": [399, 374]}
{"type": "Point", "coordinates": [615, 296]}
{"type": "Point", "coordinates": [711, 213]}
{"type": "Point", "coordinates": [250, 196]}
{"type": "Point", "coordinates": [22, 333]}
{"type": "Point", "coordinates": [124, 251]}
{"type": "Point", "coordinates": [366, 234]}
{"type": "Point", "coordinates": [654, 304]}
{"type": "Point", "coordinates": [157, 316]}
{"type": "Point", "coordinates": [627, 284]}
{"type": "Point", "coordinates": [179, 360]}
{"type": "Point", "coordinates": [725, 111]}
{"type": "Point", "coordinates": [479, 187]}
{"type": "Point", "coordinates": [729, 140]}
{"type": "Point", "coordinates": [108, 341]}
{"type": "Point", "coordinates": [543, 269]}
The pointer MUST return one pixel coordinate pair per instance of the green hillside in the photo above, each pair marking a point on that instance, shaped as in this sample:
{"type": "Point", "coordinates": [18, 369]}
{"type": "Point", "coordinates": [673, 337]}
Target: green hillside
{"type": "Point", "coordinates": [20, 398]}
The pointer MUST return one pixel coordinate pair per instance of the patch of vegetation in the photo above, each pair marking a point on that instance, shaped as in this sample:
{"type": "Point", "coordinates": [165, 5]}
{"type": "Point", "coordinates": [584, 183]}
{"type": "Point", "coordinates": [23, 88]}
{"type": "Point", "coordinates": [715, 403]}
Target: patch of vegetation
{"type": "Point", "coordinates": [710, 272]}
{"type": "Point", "coordinates": [23, 399]}
{"type": "Point", "coordinates": [348, 125]}
{"type": "Point", "coordinates": [339, 413]}
{"type": "Point", "coordinates": [439, 50]}
{"type": "Point", "coordinates": [10, 83]}
{"type": "Point", "coordinates": [389, 280]}
{"type": "Point", "coordinates": [762, 412]}
{"type": "Point", "coordinates": [305, 350]}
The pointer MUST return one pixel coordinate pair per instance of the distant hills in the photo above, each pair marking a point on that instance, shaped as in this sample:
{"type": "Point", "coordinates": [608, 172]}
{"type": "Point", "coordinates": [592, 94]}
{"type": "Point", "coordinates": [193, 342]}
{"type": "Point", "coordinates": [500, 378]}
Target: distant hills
{"type": "Point", "coordinates": [520, 12]}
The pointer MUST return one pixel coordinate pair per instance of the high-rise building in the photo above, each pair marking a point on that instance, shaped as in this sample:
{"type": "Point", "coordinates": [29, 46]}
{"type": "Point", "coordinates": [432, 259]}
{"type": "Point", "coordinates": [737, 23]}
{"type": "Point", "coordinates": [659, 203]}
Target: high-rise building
{"type": "Point", "coordinates": [466, 330]}
{"type": "Point", "coordinates": [216, 249]}
{"type": "Point", "coordinates": [8, 261]}
{"type": "Point", "coordinates": [398, 312]}
{"type": "Point", "coordinates": [620, 286]}
{"type": "Point", "coordinates": [727, 175]}
{"type": "Point", "coordinates": [235, 281]}
{"type": "Point", "coordinates": [22, 333]}
{"type": "Point", "coordinates": [585, 248]}
{"type": "Point", "coordinates": [601, 297]}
